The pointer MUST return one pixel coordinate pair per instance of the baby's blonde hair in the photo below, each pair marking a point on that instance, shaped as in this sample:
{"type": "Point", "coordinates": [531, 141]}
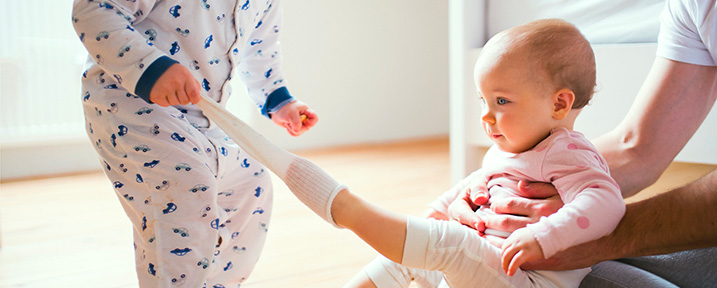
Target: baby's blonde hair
{"type": "Point", "coordinates": [561, 51]}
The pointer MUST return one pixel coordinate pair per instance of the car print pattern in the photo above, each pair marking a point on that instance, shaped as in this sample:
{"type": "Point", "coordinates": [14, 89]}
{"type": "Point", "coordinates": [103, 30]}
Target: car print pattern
{"type": "Point", "coordinates": [166, 164]}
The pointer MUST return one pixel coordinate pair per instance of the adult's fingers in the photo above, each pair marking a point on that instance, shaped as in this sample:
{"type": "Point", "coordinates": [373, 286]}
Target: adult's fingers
{"type": "Point", "coordinates": [461, 211]}
{"type": "Point", "coordinates": [530, 208]}
{"type": "Point", "coordinates": [536, 190]}
{"type": "Point", "coordinates": [504, 222]}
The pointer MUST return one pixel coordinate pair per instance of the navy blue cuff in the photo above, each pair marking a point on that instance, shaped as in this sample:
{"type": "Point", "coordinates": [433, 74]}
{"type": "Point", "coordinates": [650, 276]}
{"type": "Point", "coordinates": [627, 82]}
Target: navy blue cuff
{"type": "Point", "coordinates": [150, 76]}
{"type": "Point", "coordinates": [276, 100]}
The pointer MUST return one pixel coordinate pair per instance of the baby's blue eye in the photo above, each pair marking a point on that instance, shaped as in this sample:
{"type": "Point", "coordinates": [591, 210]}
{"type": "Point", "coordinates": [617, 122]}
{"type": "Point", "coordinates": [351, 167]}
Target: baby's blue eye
{"type": "Point", "coordinates": [502, 101]}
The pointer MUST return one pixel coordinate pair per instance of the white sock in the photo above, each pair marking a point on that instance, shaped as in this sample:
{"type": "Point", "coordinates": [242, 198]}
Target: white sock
{"type": "Point", "coordinates": [314, 187]}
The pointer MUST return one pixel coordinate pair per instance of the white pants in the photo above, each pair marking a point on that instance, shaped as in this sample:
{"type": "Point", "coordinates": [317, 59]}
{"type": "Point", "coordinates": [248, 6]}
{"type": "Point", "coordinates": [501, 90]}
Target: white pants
{"type": "Point", "coordinates": [447, 254]}
{"type": "Point", "coordinates": [199, 205]}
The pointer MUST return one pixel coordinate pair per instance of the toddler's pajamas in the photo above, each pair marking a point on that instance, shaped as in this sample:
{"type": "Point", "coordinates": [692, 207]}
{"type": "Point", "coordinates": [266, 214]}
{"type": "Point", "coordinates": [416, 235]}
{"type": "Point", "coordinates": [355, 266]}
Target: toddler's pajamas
{"type": "Point", "coordinates": [199, 205]}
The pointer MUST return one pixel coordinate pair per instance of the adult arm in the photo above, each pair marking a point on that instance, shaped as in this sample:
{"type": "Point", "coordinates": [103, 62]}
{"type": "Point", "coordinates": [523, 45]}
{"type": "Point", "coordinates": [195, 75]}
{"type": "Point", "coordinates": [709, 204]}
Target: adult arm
{"type": "Point", "coordinates": [680, 219]}
{"type": "Point", "coordinates": [672, 103]}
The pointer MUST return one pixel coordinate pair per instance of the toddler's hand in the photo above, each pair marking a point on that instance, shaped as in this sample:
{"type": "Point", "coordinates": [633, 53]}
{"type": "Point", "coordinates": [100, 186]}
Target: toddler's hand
{"type": "Point", "coordinates": [290, 117]}
{"type": "Point", "coordinates": [519, 248]}
{"type": "Point", "coordinates": [176, 86]}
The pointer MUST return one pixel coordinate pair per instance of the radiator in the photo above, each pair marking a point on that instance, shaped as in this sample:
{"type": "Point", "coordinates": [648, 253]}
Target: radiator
{"type": "Point", "coordinates": [41, 119]}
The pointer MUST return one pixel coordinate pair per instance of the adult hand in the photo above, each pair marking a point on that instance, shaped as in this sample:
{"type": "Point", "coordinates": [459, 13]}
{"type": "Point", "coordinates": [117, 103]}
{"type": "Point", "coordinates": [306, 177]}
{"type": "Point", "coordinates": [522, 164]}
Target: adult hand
{"type": "Point", "coordinates": [511, 213]}
{"type": "Point", "coordinates": [580, 256]}
{"type": "Point", "coordinates": [290, 117]}
{"type": "Point", "coordinates": [176, 86]}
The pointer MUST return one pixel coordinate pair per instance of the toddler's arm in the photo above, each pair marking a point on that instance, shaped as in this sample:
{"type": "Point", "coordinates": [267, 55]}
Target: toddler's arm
{"type": "Point", "coordinates": [107, 32]}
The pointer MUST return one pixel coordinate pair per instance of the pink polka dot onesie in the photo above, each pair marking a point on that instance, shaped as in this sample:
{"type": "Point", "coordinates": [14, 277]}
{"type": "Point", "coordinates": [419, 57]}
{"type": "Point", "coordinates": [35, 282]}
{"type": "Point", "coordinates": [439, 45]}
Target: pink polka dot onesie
{"type": "Point", "coordinates": [593, 207]}
{"type": "Point", "coordinates": [199, 205]}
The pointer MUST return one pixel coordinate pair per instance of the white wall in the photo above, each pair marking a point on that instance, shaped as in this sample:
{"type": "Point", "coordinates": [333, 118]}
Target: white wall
{"type": "Point", "coordinates": [375, 71]}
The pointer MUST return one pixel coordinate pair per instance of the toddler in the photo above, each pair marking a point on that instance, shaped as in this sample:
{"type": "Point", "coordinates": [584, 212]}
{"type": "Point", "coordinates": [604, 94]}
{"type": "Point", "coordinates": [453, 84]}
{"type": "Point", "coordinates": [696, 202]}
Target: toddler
{"type": "Point", "coordinates": [198, 204]}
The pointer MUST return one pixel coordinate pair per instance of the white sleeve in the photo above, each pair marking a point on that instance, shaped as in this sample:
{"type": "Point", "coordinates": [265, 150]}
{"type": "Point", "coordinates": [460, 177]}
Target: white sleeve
{"type": "Point", "coordinates": [107, 32]}
{"type": "Point", "coordinates": [687, 32]}
{"type": "Point", "coordinates": [260, 68]}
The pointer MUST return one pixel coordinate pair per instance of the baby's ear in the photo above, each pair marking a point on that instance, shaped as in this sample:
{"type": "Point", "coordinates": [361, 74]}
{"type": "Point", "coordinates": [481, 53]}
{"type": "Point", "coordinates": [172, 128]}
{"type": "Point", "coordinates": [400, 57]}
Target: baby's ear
{"type": "Point", "coordinates": [562, 103]}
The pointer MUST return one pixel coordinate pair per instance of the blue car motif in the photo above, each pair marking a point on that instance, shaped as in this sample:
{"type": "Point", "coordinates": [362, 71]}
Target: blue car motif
{"type": "Point", "coordinates": [205, 85]}
{"type": "Point", "coordinates": [106, 5]}
{"type": "Point", "coordinates": [245, 6]}
{"type": "Point", "coordinates": [139, 179]}
{"type": "Point", "coordinates": [163, 186]}
{"type": "Point", "coordinates": [118, 184]}
{"type": "Point", "coordinates": [180, 252]}
{"type": "Point", "coordinates": [256, 41]}
{"type": "Point", "coordinates": [102, 35]}
{"type": "Point", "coordinates": [199, 187]}
{"type": "Point", "coordinates": [258, 210]}
{"type": "Point", "coordinates": [204, 263]}
{"type": "Point", "coordinates": [215, 224]}
{"type": "Point", "coordinates": [150, 270]}
{"type": "Point", "coordinates": [123, 50]}
{"type": "Point", "coordinates": [227, 193]}
{"type": "Point", "coordinates": [154, 130]}
{"type": "Point", "coordinates": [258, 191]}
{"type": "Point", "coordinates": [122, 130]}
{"type": "Point", "coordinates": [245, 163]}
{"type": "Point", "coordinates": [175, 48]}
{"type": "Point", "coordinates": [174, 11]}
{"type": "Point", "coordinates": [205, 211]}
{"type": "Point", "coordinates": [267, 74]}
{"type": "Point", "coordinates": [229, 266]}
{"type": "Point", "coordinates": [181, 231]}
{"type": "Point", "coordinates": [144, 110]}
{"type": "Point", "coordinates": [86, 97]}
{"type": "Point", "coordinates": [176, 137]}
{"type": "Point", "coordinates": [183, 166]}
{"type": "Point", "coordinates": [111, 86]}
{"type": "Point", "coordinates": [143, 148]}
{"type": "Point", "coordinates": [151, 164]}
{"type": "Point", "coordinates": [113, 140]}
{"type": "Point", "coordinates": [184, 32]}
{"type": "Point", "coordinates": [113, 108]}
{"type": "Point", "coordinates": [151, 33]}
{"type": "Point", "coordinates": [208, 41]}
{"type": "Point", "coordinates": [180, 281]}
{"type": "Point", "coordinates": [171, 207]}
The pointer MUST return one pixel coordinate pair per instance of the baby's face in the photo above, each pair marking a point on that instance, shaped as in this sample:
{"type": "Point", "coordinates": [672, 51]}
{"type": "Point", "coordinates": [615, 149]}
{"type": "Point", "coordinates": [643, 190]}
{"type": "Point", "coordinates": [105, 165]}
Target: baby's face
{"type": "Point", "coordinates": [516, 101]}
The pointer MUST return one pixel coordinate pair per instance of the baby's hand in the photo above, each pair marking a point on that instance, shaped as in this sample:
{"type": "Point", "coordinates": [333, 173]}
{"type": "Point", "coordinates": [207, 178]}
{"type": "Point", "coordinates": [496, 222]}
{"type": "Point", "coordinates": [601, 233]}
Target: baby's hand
{"type": "Point", "coordinates": [519, 248]}
{"type": "Point", "coordinates": [176, 86]}
{"type": "Point", "coordinates": [296, 117]}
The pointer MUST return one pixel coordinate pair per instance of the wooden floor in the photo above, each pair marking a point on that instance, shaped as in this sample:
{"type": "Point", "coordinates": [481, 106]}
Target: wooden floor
{"type": "Point", "coordinates": [70, 231]}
